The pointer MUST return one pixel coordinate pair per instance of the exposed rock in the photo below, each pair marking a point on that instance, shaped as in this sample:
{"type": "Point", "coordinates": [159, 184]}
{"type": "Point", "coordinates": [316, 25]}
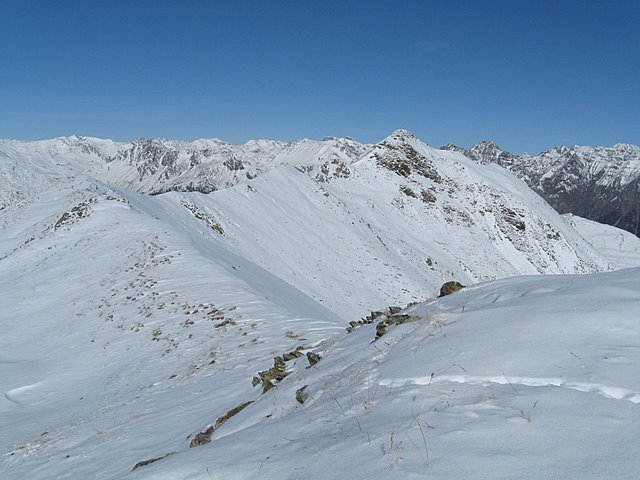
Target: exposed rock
{"type": "Point", "coordinates": [427, 197]}
{"type": "Point", "coordinates": [302, 395]}
{"type": "Point", "coordinates": [514, 218]}
{"type": "Point", "coordinates": [293, 354]}
{"type": "Point", "coordinates": [597, 183]}
{"type": "Point", "coordinates": [275, 373]}
{"type": "Point", "coordinates": [267, 385]}
{"type": "Point", "coordinates": [231, 413]}
{"type": "Point", "coordinates": [233, 164]}
{"type": "Point", "coordinates": [381, 328]}
{"type": "Point", "coordinates": [371, 317]}
{"type": "Point", "coordinates": [147, 462]}
{"type": "Point", "coordinates": [204, 437]}
{"type": "Point", "coordinates": [313, 358]}
{"type": "Point", "coordinates": [450, 287]}
{"type": "Point", "coordinates": [81, 210]}
{"type": "Point", "coordinates": [408, 192]}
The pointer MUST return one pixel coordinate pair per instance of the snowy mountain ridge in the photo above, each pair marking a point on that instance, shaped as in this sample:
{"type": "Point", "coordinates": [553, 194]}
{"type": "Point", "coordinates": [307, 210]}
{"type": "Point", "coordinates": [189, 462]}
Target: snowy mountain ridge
{"type": "Point", "coordinates": [598, 183]}
{"type": "Point", "coordinates": [156, 166]}
{"type": "Point", "coordinates": [133, 327]}
{"type": "Point", "coordinates": [141, 333]}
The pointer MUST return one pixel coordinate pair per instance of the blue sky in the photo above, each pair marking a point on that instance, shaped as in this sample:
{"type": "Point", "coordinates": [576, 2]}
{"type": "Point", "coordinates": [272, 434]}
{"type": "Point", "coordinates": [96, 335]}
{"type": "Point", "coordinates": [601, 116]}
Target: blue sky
{"type": "Point", "coordinates": [529, 75]}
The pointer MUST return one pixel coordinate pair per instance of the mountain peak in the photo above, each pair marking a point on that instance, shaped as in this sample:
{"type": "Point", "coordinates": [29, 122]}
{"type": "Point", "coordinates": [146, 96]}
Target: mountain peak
{"type": "Point", "coordinates": [401, 134]}
{"type": "Point", "coordinates": [452, 147]}
{"type": "Point", "coordinates": [488, 151]}
{"type": "Point", "coordinates": [486, 143]}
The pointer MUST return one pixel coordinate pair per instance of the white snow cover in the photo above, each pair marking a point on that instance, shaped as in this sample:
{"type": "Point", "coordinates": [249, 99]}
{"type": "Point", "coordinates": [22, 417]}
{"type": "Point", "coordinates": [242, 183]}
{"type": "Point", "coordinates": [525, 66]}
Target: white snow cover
{"type": "Point", "coordinates": [131, 323]}
{"type": "Point", "coordinates": [621, 247]}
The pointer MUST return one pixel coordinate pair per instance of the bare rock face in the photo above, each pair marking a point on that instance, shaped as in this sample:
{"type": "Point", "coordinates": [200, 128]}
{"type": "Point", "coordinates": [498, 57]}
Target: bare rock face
{"type": "Point", "coordinates": [450, 287]}
{"type": "Point", "coordinates": [302, 394]}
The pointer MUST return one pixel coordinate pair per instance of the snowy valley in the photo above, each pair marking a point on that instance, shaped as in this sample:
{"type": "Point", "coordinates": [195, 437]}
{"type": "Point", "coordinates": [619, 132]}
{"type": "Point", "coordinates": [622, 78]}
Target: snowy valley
{"type": "Point", "coordinates": [204, 310]}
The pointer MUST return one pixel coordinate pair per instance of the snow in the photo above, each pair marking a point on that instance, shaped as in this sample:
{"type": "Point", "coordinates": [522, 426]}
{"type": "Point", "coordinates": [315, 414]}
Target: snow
{"type": "Point", "coordinates": [621, 247]}
{"type": "Point", "coordinates": [364, 237]}
{"type": "Point", "coordinates": [131, 323]}
{"type": "Point", "coordinates": [490, 381]}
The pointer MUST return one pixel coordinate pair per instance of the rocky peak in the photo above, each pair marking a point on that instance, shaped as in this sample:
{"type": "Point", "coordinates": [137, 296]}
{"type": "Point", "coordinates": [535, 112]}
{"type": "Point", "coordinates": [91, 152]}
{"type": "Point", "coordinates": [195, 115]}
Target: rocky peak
{"type": "Point", "coordinates": [452, 147]}
{"type": "Point", "coordinates": [402, 153]}
{"type": "Point", "coordinates": [401, 135]}
{"type": "Point", "coordinates": [488, 152]}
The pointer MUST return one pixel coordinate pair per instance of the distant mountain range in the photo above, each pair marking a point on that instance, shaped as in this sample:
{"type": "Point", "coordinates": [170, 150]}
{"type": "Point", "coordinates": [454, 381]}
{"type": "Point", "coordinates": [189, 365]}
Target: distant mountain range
{"type": "Point", "coordinates": [597, 183]}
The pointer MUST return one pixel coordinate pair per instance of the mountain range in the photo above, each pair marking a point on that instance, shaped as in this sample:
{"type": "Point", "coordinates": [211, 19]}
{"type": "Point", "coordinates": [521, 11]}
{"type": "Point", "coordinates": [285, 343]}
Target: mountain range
{"type": "Point", "coordinates": [597, 183]}
{"type": "Point", "coordinates": [199, 310]}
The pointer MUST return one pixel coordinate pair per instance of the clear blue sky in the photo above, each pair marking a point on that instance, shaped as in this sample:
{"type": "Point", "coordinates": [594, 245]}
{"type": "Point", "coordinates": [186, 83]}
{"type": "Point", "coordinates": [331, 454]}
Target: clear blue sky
{"type": "Point", "coordinates": [529, 75]}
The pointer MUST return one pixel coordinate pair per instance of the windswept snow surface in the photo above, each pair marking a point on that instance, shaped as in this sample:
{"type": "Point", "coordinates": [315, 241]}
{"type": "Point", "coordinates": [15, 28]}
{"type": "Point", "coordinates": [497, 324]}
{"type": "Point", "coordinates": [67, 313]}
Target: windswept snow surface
{"type": "Point", "coordinates": [132, 322]}
{"type": "Point", "coordinates": [526, 377]}
{"type": "Point", "coordinates": [28, 168]}
{"type": "Point", "coordinates": [621, 247]}
{"type": "Point", "coordinates": [114, 321]}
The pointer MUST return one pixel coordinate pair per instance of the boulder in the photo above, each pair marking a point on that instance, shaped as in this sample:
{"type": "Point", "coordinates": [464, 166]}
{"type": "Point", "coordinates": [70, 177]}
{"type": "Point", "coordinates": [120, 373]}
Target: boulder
{"type": "Point", "coordinates": [450, 287]}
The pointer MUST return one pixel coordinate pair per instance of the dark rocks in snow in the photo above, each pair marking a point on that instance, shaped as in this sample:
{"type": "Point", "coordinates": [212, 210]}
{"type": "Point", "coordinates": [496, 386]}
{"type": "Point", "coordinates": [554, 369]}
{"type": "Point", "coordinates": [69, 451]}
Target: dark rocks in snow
{"type": "Point", "coordinates": [231, 413]}
{"type": "Point", "coordinates": [233, 164]}
{"type": "Point", "coordinates": [427, 197]}
{"type": "Point", "coordinates": [371, 317]}
{"type": "Point", "coordinates": [275, 373]}
{"type": "Point", "coordinates": [152, 460]}
{"type": "Point", "coordinates": [293, 354]}
{"type": "Point", "coordinates": [302, 395]}
{"type": "Point", "coordinates": [278, 371]}
{"type": "Point", "coordinates": [398, 319]}
{"type": "Point", "coordinates": [204, 437]}
{"type": "Point", "coordinates": [450, 287]}
{"type": "Point", "coordinates": [408, 192]}
{"type": "Point", "coordinates": [313, 358]}
{"type": "Point", "coordinates": [514, 219]}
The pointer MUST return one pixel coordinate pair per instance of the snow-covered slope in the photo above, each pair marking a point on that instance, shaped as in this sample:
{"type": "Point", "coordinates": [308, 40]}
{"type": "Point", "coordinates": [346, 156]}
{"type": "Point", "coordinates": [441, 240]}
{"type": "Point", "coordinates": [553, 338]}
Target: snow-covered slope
{"type": "Point", "coordinates": [620, 247]}
{"type": "Point", "coordinates": [385, 226]}
{"type": "Point", "coordinates": [27, 168]}
{"type": "Point", "coordinates": [156, 165]}
{"type": "Point", "coordinates": [128, 331]}
{"type": "Point", "coordinates": [132, 323]}
{"type": "Point", "coordinates": [598, 183]}
{"type": "Point", "coordinates": [114, 317]}
{"type": "Point", "coordinates": [393, 227]}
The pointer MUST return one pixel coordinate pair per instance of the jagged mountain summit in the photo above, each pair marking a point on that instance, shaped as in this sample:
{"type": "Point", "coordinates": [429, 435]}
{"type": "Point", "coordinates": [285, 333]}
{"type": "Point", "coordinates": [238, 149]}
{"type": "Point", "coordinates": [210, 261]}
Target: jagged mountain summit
{"type": "Point", "coordinates": [597, 183]}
